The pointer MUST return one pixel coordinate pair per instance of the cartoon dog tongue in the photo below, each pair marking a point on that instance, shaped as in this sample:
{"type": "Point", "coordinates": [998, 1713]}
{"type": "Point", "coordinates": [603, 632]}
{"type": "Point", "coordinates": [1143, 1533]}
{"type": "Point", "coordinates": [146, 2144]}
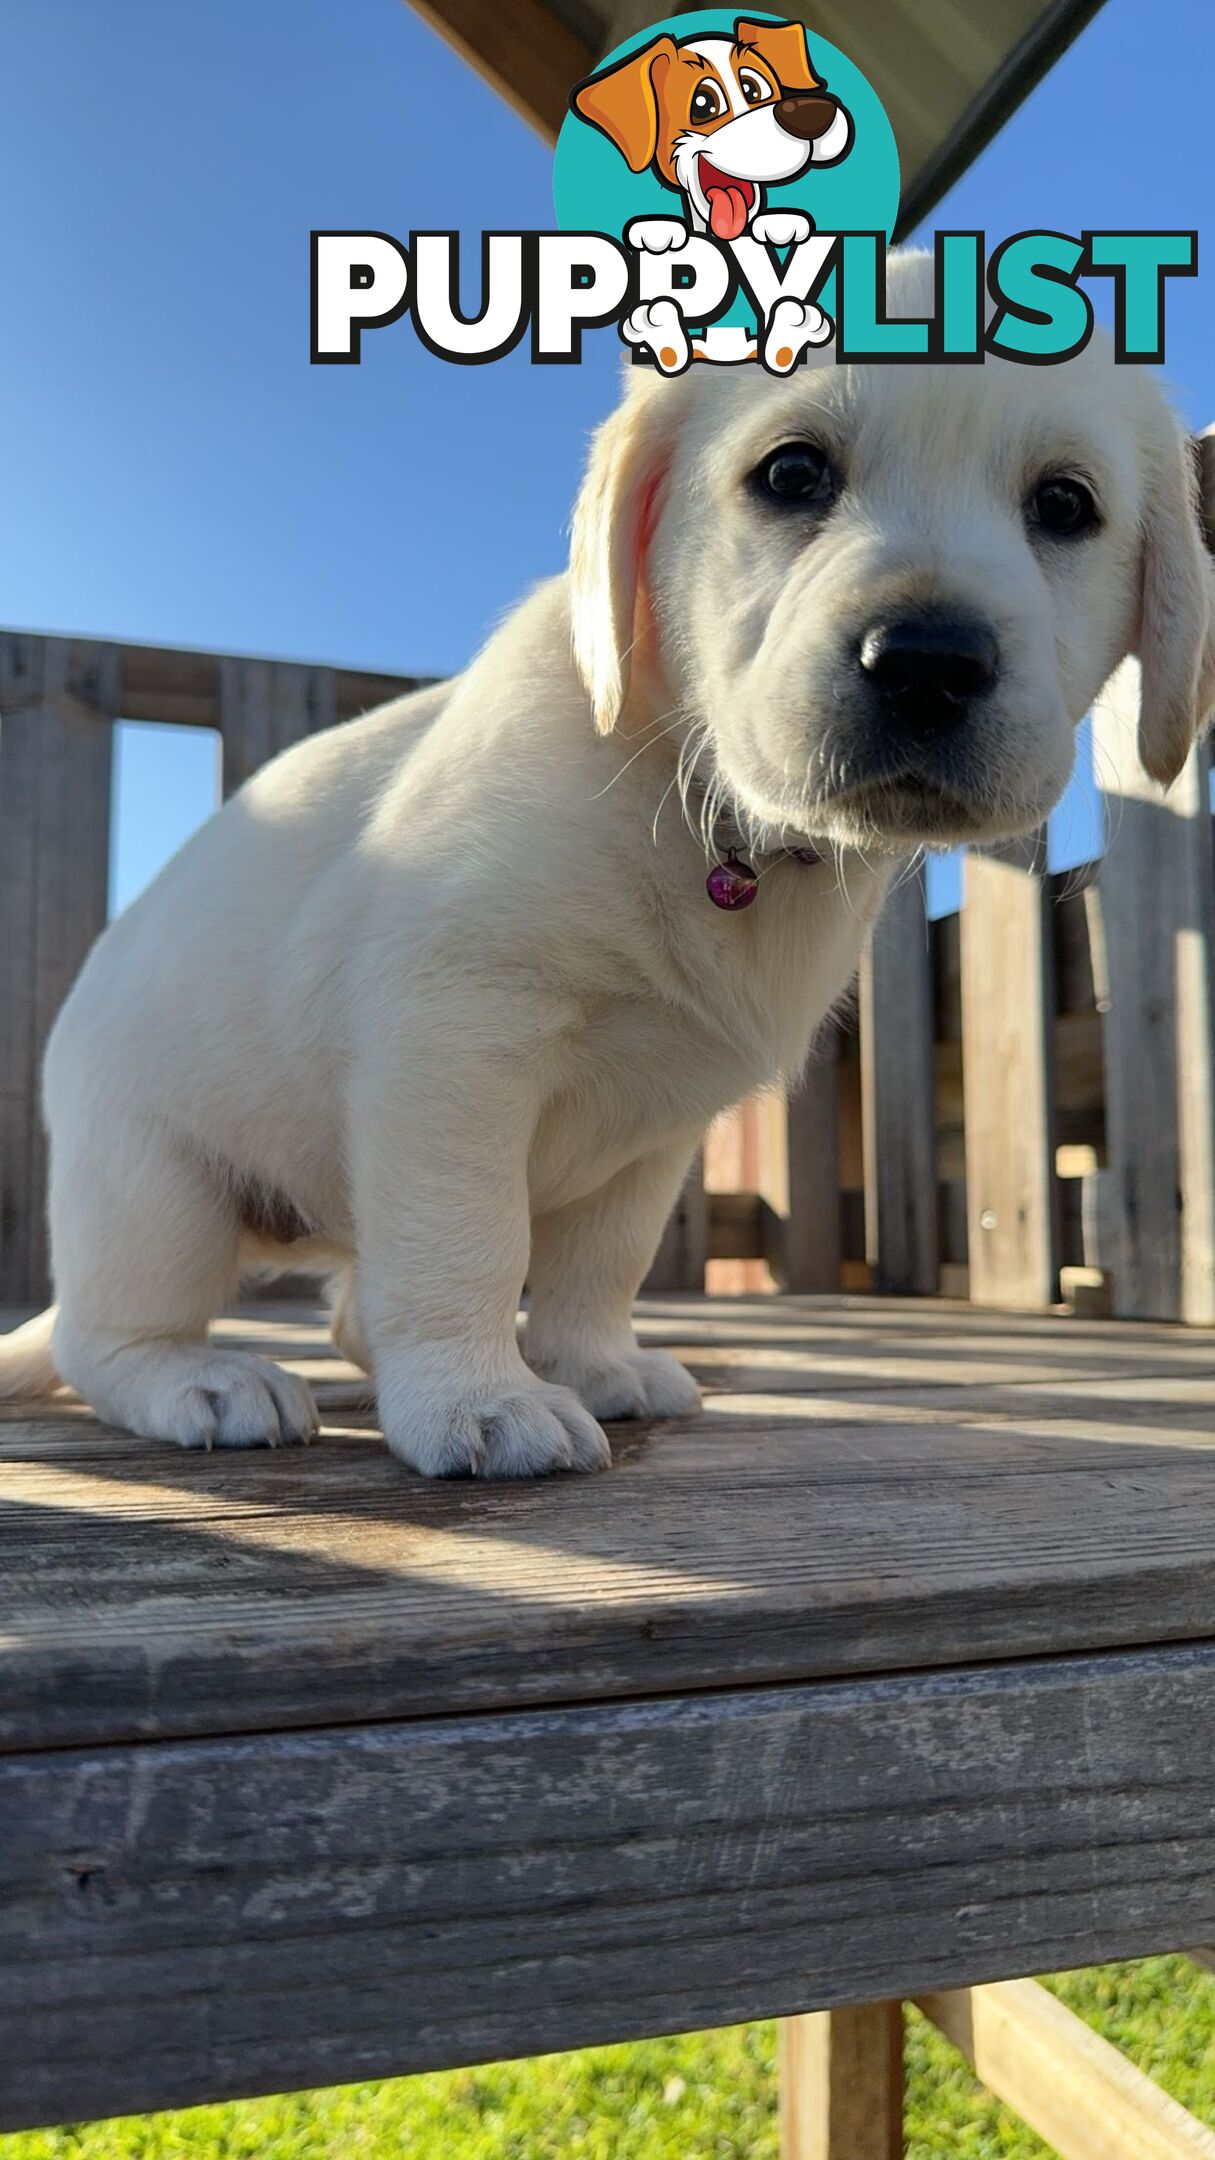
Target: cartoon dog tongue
{"type": "Point", "coordinates": [727, 211]}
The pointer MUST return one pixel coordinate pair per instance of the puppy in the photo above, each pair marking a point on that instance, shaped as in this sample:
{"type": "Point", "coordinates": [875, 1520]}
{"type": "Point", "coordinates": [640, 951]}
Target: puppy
{"type": "Point", "coordinates": [442, 994]}
{"type": "Point", "coordinates": [718, 118]}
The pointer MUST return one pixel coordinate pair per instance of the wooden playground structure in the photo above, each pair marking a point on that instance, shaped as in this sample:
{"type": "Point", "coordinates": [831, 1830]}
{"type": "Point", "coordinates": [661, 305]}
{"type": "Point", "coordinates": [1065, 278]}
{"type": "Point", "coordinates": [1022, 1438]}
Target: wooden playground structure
{"type": "Point", "coordinates": [890, 1677]}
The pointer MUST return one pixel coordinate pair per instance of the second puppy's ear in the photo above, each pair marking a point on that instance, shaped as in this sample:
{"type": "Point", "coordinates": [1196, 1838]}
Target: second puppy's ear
{"type": "Point", "coordinates": [614, 520]}
{"type": "Point", "coordinates": [623, 101]}
{"type": "Point", "coordinates": [1176, 641]}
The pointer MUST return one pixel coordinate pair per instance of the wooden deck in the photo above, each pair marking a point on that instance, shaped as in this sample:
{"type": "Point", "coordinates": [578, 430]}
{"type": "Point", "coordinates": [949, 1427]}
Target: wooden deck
{"type": "Point", "coordinates": [893, 1672]}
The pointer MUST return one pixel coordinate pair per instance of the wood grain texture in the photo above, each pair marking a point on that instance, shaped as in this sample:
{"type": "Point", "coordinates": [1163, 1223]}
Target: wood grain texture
{"type": "Point", "coordinates": [1007, 1042]}
{"type": "Point", "coordinates": [57, 699]}
{"type": "Point", "coordinates": [898, 1105]}
{"type": "Point", "coordinates": [871, 1485]}
{"type": "Point", "coordinates": [841, 2084]}
{"type": "Point", "coordinates": [1158, 912]}
{"type": "Point", "coordinates": [1083, 2097]}
{"type": "Point", "coordinates": [222, 1917]}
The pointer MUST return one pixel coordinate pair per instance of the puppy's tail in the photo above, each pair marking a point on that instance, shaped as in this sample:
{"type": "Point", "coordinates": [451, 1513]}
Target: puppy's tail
{"type": "Point", "coordinates": [27, 1369]}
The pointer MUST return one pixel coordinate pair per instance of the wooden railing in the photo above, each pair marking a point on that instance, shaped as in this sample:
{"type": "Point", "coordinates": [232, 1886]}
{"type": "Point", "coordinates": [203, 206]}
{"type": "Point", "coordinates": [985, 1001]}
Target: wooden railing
{"type": "Point", "coordinates": [59, 699]}
{"type": "Point", "coordinates": [1021, 1102]}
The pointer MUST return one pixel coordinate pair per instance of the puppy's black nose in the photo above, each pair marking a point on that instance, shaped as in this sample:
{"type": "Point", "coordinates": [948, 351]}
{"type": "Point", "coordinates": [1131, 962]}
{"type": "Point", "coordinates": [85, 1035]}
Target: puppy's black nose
{"type": "Point", "coordinates": [937, 661]}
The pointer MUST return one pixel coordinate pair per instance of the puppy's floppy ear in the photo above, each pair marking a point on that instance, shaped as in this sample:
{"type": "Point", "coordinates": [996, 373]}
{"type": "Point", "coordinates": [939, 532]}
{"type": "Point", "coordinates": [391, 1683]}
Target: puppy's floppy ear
{"type": "Point", "coordinates": [623, 103]}
{"type": "Point", "coordinates": [614, 519]}
{"type": "Point", "coordinates": [784, 47]}
{"type": "Point", "coordinates": [1176, 641]}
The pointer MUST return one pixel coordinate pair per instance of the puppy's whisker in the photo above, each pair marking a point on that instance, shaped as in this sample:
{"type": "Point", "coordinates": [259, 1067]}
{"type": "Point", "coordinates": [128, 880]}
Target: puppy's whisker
{"type": "Point", "coordinates": [648, 745]}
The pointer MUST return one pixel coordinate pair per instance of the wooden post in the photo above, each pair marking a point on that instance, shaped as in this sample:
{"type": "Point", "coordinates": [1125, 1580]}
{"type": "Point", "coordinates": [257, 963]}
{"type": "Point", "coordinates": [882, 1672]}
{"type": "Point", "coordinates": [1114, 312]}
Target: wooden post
{"type": "Point", "coordinates": [898, 1117]}
{"type": "Point", "coordinates": [1008, 1016]}
{"type": "Point", "coordinates": [811, 1257]}
{"type": "Point", "coordinates": [1158, 911]}
{"type": "Point", "coordinates": [841, 2084]}
{"type": "Point", "coordinates": [679, 1263]}
{"type": "Point", "coordinates": [57, 702]}
{"type": "Point", "coordinates": [264, 706]}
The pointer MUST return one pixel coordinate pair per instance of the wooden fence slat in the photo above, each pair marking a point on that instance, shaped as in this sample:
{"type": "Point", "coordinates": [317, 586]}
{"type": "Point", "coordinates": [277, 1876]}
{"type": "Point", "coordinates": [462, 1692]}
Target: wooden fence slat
{"type": "Point", "coordinates": [898, 1111]}
{"type": "Point", "coordinates": [1158, 915]}
{"type": "Point", "coordinates": [841, 2084]}
{"type": "Point", "coordinates": [1008, 1026]}
{"type": "Point", "coordinates": [264, 707]}
{"type": "Point", "coordinates": [812, 1243]}
{"type": "Point", "coordinates": [57, 701]}
{"type": "Point", "coordinates": [1083, 2097]}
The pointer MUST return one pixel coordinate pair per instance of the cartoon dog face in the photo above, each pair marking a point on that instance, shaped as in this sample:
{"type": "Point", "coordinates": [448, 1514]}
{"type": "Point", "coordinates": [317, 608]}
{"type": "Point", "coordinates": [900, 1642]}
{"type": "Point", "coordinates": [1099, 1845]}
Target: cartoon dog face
{"type": "Point", "coordinates": [718, 117]}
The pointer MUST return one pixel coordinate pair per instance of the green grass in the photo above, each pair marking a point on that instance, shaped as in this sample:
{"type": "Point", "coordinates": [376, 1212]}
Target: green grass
{"type": "Point", "coordinates": [707, 2096]}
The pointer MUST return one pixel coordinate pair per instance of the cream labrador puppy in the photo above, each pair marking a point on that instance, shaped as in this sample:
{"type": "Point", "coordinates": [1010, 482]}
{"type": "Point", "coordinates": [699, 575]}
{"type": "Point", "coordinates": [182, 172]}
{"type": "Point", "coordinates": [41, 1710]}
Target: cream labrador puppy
{"type": "Point", "coordinates": [442, 996]}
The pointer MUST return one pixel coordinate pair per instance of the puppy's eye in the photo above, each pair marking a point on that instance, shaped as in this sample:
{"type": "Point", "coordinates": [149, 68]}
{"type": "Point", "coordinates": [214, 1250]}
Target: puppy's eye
{"type": "Point", "coordinates": [798, 476]}
{"type": "Point", "coordinates": [708, 102]}
{"type": "Point", "coordinates": [753, 87]}
{"type": "Point", "coordinates": [1063, 507]}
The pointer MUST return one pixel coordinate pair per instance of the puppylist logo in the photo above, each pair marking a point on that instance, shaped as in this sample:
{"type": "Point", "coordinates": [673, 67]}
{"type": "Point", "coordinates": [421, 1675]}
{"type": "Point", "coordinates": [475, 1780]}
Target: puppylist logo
{"type": "Point", "coordinates": [726, 187]}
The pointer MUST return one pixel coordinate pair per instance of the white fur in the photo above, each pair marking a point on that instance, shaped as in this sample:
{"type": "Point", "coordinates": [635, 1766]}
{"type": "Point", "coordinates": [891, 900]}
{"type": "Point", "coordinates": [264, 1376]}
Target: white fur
{"type": "Point", "coordinates": [447, 978]}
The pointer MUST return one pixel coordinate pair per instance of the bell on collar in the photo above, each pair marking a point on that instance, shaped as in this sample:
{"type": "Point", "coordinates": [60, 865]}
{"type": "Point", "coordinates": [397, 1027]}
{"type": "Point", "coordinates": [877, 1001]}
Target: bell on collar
{"type": "Point", "coordinates": [732, 884]}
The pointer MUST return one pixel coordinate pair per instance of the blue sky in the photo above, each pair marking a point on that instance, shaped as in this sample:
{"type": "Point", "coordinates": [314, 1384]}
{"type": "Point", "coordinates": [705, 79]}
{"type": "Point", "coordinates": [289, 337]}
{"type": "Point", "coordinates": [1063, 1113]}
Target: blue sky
{"type": "Point", "coordinates": [175, 471]}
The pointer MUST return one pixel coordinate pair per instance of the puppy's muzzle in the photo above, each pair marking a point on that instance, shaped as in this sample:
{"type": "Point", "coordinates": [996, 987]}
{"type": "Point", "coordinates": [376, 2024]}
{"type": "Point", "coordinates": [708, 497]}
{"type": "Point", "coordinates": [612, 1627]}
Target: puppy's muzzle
{"type": "Point", "coordinates": [807, 114]}
{"type": "Point", "coordinates": [928, 669]}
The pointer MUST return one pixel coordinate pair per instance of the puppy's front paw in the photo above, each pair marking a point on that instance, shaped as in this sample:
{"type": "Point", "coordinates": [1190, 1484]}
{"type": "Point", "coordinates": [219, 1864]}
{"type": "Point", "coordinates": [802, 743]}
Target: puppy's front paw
{"type": "Point", "coordinates": [524, 1428]}
{"type": "Point", "coordinates": [659, 325]}
{"type": "Point", "coordinates": [782, 228]}
{"type": "Point", "coordinates": [633, 1384]}
{"type": "Point", "coordinates": [793, 327]}
{"type": "Point", "coordinates": [657, 235]}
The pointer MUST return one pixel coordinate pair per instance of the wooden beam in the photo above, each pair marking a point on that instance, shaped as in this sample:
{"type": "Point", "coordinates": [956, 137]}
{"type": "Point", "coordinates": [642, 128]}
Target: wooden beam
{"type": "Point", "coordinates": [841, 2084]}
{"type": "Point", "coordinates": [1158, 915]}
{"type": "Point", "coordinates": [524, 52]}
{"type": "Point", "coordinates": [1007, 1055]}
{"type": "Point", "coordinates": [1079, 2094]}
{"type": "Point", "coordinates": [898, 1096]}
{"type": "Point", "coordinates": [756, 1852]}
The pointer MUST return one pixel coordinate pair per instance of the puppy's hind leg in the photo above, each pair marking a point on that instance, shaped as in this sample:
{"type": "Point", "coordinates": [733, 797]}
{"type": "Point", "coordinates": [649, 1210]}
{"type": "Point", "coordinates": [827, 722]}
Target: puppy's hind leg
{"type": "Point", "coordinates": [145, 1241]}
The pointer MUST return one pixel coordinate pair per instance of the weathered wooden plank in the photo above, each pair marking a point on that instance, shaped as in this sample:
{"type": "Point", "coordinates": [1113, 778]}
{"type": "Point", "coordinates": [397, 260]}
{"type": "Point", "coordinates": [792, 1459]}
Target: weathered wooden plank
{"type": "Point", "coordinates": [841, 2084]}
{"type": "Point", "coordinates": [57, 700]}
{"type": "Point", "coordinates": [811, 1256]}
{"type": "Point", "coordinates": [898, 1110]}
{"type": "Point", "coordinates": [1008, 1034]}
{"type": "Point", "coordinates": [1158, 911]}
{"type": "Point", "coordinates": [223, 1917]}
{"type": "Point", "coordinates": [264, 707]}
{"type": "Point", "coordinates": [1084, 2098]}
{"type": "Point", "coordinates": [873, 1486]}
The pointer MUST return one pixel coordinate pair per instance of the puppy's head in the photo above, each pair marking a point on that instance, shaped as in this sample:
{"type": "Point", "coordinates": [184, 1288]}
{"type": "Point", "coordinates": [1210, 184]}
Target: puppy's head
{"type": "Point", "coordinates": [718, 117]}
{"type": "Point", "coordinates": [883, 597]}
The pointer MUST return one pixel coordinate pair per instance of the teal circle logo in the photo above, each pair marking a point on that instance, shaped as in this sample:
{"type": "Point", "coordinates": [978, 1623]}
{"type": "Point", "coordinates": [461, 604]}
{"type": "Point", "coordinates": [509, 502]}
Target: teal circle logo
{"type": "Point", "coordinates": [715, 76]}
